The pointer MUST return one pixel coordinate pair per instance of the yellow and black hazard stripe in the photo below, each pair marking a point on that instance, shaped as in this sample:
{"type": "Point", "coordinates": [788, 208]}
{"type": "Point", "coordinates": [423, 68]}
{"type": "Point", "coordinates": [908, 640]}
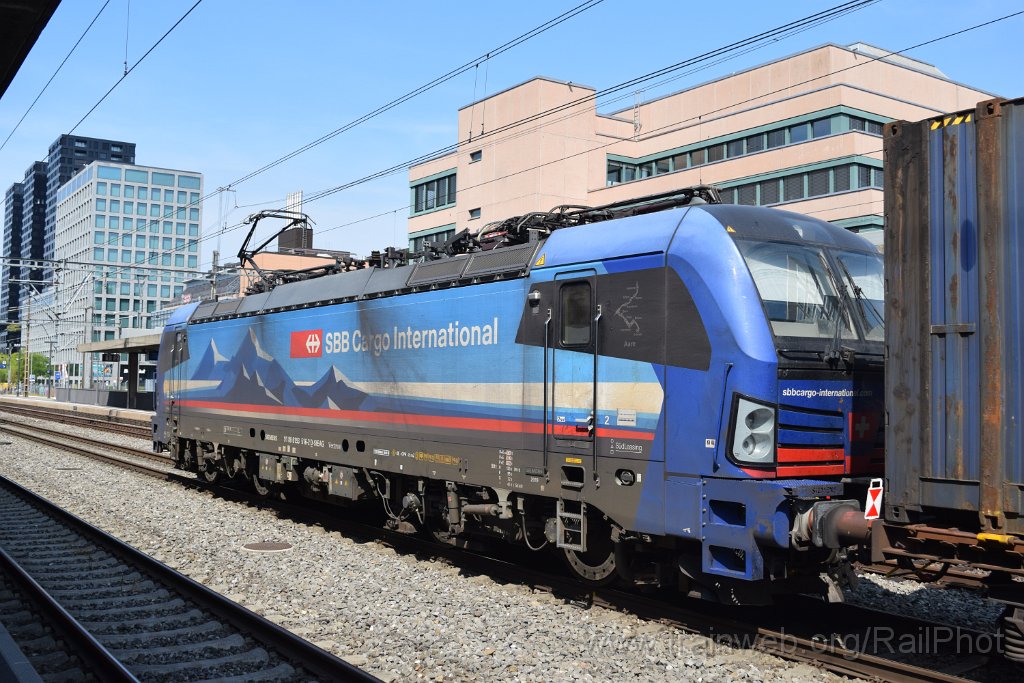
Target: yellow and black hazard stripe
{"type": "Point", "coordinates": [952, 121]}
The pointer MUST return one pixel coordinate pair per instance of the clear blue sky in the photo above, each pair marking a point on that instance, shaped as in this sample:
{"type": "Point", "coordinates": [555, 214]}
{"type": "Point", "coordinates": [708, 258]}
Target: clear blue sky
{"type": "Point", "coordinates": [241, 83]}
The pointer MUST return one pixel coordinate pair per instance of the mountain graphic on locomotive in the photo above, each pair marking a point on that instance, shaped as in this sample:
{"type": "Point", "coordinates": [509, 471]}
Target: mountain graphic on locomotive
{"type": "Point", "coordinates": [667, 391]}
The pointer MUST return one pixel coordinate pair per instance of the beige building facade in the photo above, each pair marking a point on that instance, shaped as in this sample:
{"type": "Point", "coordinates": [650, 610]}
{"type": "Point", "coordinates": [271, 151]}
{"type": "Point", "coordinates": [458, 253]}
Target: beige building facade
{"type": "Point", "coordinates": [801, 133]}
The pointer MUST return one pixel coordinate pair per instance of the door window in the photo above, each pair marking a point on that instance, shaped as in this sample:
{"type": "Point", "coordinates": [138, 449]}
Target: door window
{"type": "Point", "coordinates": [576, 314]}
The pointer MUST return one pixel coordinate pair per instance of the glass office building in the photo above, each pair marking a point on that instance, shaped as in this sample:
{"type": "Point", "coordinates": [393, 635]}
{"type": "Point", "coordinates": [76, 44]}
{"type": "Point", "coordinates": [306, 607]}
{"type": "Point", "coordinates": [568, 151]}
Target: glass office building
{"type": "Point", "coordinates": [130, 238]}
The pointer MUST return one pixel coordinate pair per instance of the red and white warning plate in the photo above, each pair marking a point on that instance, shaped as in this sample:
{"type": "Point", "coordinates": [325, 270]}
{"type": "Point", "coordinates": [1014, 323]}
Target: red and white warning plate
{"type": "Point", "coordinates": [873, 504]}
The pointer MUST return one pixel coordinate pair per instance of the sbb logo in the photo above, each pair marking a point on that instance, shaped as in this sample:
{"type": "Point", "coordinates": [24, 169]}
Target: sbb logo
{"type": "Point", "coordinates": [307, 344]}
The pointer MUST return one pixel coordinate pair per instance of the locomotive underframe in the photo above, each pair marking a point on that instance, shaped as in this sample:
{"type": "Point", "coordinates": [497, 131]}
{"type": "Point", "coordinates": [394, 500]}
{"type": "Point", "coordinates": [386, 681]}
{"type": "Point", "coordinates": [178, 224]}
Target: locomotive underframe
{"type": "Point", "coordinates": [464, 498]}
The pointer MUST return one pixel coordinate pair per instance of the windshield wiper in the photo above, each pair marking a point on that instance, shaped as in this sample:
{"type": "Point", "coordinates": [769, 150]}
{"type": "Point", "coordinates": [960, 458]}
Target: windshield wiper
{"type": "Point", "coordinates": [836, 350]}
{"type": "Point", "coordinates": [865, 302]}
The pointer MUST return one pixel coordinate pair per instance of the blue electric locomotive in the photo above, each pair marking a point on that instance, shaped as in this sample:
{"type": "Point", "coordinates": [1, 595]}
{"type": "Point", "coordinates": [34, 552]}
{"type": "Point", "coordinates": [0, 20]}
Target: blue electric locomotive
{"type": "Point", "coordinates": [675, 392]}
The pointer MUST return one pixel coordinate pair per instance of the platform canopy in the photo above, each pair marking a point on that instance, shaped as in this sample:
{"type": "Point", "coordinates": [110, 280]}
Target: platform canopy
{"type": "Point", "coordinates": [142, 343]}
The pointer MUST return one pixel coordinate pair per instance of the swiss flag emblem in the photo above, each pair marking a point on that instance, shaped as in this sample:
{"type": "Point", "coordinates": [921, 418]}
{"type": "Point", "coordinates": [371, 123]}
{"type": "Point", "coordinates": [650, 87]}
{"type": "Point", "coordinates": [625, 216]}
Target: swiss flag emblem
{"type": "Point", "coordinates": [307, 344]}
{"type": "Point", "coordinates": [873, 504]}
{"type": "Point", "coordinates": [864, 426]}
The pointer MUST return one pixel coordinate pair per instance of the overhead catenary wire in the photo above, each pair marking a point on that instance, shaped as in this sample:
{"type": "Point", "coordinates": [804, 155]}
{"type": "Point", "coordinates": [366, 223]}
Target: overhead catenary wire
{"type": "Point", "coordinates": [770, 35]}
{"type": "Point", "coordinates": [136, 64]}
{"type": "Point", "coordinates": [227, 229]}
{"type": "Point", "coordinates": [508, 45]}
{"type": "Point", "coordinates": [723, 108]}
{"type": "Point", "coordinates": [54, 75]}
{"type": "Point", "coordinates": [430, 85]}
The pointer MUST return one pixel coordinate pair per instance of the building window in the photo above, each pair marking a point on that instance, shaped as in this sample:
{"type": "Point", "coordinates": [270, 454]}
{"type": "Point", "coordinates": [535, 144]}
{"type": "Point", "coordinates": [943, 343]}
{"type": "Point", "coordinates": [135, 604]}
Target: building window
{"type": "Point", "coordinates": [798, 133]}
{"type": "Point", "coordinates": [166, 179]}
{"type": "Point", "coordinates": [747, 194]}
{"type": "Point", "coordinates": [476, 156]}
{"type": "Point", "coordinates": [821, 127]}
{"type": "Point", "coordinates": [865, 126]}
{"type": "Point", "coordinates": [841, 178]}
{"type": "Point", "coordinates": [129, 192]}
{"type": "Point", "coordinates": [818, 183]}
{"type": "Point", "coordinates": [434, 194]}
{"type": "Point", "coordinates": [474, 214]}
{"type": "Point", "coordinates": [802, 185]}
{"type": "Point", "coordinates": [793, 187]}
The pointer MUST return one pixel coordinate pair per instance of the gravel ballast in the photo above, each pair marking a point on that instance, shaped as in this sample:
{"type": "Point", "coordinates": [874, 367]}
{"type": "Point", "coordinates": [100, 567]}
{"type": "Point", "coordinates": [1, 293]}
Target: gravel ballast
{"type": "Point", "coordinates": [399, 617]}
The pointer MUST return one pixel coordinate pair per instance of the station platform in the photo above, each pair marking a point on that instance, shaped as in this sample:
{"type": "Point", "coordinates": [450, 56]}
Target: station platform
{"type": "Point", "coordinates": [120, 414]}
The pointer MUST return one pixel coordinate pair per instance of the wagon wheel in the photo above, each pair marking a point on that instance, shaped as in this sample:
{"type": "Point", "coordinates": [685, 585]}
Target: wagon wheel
{"type": "Point", "coordinates": [922, 569]}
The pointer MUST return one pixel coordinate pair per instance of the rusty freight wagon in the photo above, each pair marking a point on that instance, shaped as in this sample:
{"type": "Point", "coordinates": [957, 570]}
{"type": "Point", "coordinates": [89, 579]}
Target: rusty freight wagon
{"type": "Point", "coordinates": [954, 259]}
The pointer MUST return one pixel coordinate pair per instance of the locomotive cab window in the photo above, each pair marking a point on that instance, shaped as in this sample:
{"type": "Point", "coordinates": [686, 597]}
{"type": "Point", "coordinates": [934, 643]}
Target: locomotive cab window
{"type": "Point", "coordinates": [576, 314]}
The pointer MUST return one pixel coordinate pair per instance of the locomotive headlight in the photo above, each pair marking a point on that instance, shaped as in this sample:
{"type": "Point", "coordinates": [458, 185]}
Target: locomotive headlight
{"type": "Point", "coordinates": [753, 438]}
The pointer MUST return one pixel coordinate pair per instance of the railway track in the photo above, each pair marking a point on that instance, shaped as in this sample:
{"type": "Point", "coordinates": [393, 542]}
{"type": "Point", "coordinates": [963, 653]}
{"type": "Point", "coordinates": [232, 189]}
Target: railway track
{"type": "Point", "coordinates": [934, 574]}
{"type": "Point", "coordinates": [112, 613]}
{"type": "Point", "coordinates": [838, 638]}
{"type": "Point", "coordinates": [144, 460]}
{"type": "Point", "coordinates": [68, 418]}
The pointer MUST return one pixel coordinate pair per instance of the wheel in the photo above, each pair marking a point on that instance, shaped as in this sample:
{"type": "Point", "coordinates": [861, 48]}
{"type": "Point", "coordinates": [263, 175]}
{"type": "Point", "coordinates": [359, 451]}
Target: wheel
{"type": "Point", "coordinates": [262, 488]}
{"type": "Point", "coordinates": [596, 566]}
{"type": "Point", "coordinates": [211, 475]}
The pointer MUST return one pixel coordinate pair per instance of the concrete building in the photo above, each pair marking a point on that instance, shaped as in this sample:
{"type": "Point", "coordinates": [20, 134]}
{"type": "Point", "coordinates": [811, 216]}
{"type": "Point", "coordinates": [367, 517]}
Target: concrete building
{"type": "Point", "coordinates": [30, 212]}
{"type": "Point", "coordinates": [801, 133]}
{"type": "Point", "coordinates": [33, 219]}
{"type": "Point", "coordinates": [129, 237]}
{"type": "Point", "coordinates": [68, 155]}
{"type": "Point", "coordinates": [10, 292]}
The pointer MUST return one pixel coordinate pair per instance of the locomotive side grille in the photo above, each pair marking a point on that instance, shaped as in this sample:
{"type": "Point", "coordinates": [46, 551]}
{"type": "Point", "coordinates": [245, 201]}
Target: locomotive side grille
{"type": "Point", "coordinates": [444, 270]}
{"type": "Point", "coordinates": [500, 260]}
{"type": "Point", "coordinates": [811, 442]}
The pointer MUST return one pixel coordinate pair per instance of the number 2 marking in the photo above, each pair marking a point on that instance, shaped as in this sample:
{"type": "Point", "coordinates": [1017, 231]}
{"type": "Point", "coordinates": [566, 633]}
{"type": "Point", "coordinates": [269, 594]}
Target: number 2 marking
{"type": "Point", "coordinates": [607, 418]}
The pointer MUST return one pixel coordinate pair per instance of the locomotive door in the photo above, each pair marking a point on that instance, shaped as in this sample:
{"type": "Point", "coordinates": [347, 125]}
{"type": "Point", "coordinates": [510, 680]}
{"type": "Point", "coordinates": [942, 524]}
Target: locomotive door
{"type": "Point", "coordinates": [179, 354]}
{"type": "Point", "coordinates": [572, 376]}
